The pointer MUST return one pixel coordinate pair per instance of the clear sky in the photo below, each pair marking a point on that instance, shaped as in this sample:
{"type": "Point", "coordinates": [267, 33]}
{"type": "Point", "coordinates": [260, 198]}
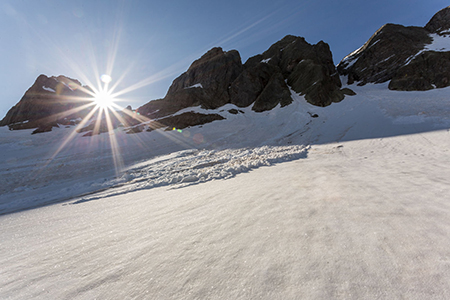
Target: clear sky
{"type": "Point", "coordinates": [148, 43]}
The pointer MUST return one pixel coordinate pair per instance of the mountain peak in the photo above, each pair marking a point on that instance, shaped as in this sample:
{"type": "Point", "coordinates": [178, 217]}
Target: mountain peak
{"type": "Point", "coordinates": [50, 100]}
{"type": "Point", "coordinates": [410, 58]}
{"type": "Point", "coordinates": [440, 22]}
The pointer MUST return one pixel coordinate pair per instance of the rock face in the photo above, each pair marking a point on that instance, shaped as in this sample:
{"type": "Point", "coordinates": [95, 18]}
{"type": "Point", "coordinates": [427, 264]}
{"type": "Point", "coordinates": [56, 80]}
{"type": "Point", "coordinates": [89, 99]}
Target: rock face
{"type": "Point", "coordinates": [48, 102]}
{"type": "Point", "coordinates": [184, 120]}
{"type": "Point", "coordinates": [204, 84]}
{"type": "Point", "coordinates": [383, 54]}
{"type": "Point", "coordinates": [215, 79]}
{"type": "Point", "coordinates": [308, 69]}
{"type": "Point", "coordinates": [427, 71]}
{"type": "Point", "coordinates": [219, 77]}
{"type": "Point", "coordinates": [261, 85]}
{"type": "Point", "coordinates": [440, 22]}
{"type": "Point", "coordinates": [405, 56]}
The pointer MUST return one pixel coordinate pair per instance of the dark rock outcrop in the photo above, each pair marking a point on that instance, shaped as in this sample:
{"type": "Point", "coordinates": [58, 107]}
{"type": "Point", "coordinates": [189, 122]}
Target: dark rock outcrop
{"type": "Point", "coordinates": [261, 84]}
{"type": "Point", "coordinates": [184, 120]}
{"type": "Point", "coordinates": [440, 22]}
{"type": "Point", "coordinates": [308, 69]}
{"type": "Point", "coordinates": [400, 55]}
{"type": "Point", "coordinates": [383, 54]}
{"type": "Point", "coordinates": [204, 84]}
{"type": "Point", "coordinates": [234, 111]}
{"type": "Point", "coordinates": [219, 77]}
{"type": "Point", "coordinates": [213, 73]}
{"type": "Point", "coordinates": [49, 101]}
{"type": "Point", "coordinates": [427, 71]}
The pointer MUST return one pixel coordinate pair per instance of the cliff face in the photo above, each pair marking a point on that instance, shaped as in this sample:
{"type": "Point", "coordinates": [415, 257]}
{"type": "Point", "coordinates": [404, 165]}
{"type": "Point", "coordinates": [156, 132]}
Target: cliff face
{"type": "Point", "coordinates": [411, 58]}
{"type": "Point", "coordinates": [219, 78]}
{"type": "Point", "coordinates": [307, 69]}
{"type": "Point", "coordinates": [50, 100]}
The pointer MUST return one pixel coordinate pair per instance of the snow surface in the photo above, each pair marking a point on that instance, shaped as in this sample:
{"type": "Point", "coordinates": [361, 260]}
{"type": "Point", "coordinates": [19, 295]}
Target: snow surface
{"type": "Point", "coordinates": [352, 204]}
{"type": "Point", "coordinates": [48, 89]}
{"type": "Point", "coordinates": [441, 43]}
{"type": "Point", "coordinates": [197, 85]}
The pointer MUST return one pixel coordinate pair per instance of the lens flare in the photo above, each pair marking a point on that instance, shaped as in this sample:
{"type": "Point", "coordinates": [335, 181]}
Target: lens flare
{"type": "Point", "coordinates": [100, 97]}
{"type": "Point", "coordinates": [105, 78]}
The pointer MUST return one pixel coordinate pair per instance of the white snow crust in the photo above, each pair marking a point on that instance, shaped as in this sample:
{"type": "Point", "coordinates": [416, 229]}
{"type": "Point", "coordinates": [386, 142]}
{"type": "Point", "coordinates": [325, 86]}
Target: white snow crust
{"type": "Point", "coordinates": [349, 204]}
{"type": "Point", "coordinates": [441, 43]}
{"type": "Point", "coordinates": [196, 166]}
{"type": "Point", "coordinates": [48, 89]}
{"type": "Point", "coordinates": [197, 85]}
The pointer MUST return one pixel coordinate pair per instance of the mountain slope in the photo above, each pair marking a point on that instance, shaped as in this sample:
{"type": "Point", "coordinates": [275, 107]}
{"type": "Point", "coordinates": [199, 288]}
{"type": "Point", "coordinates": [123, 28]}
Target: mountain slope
{"type": "Point", "coordinates": [363, 215]}
{"type": "Point", "coordinates": [48, 102]}
{"type": "Point", "coordinates": [40, 169]}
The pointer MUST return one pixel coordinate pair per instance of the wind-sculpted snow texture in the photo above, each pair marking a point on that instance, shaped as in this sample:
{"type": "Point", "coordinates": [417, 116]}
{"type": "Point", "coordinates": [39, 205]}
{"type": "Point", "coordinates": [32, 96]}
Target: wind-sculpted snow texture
{"type": "Point", "coordinates": [196, 166]}
{"type": "Point", "coordinates": [348, 201]}
{"type": "Point", "coordinates": [33, 173]}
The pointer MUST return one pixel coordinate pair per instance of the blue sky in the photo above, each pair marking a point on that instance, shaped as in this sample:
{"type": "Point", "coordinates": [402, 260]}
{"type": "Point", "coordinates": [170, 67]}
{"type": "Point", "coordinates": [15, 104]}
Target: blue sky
{"type": "Point", "coordinates": [147, 44]}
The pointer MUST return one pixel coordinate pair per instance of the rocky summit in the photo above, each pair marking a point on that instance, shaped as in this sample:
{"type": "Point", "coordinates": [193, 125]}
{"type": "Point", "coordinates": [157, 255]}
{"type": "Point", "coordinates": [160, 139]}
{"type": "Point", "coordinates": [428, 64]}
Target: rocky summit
{"type": "Point", "coordinates": [215, 79]}
{"type": "Point", "coordinates": [219, 78]}
{"type": "Point", "coordinates": [48, 102]}
{"type": "Point", "coordinates": [411, 58]}
{"type": "Point", "coordinates": [440, 22]}
{"type": "Point", "coordinates": [308, 69]}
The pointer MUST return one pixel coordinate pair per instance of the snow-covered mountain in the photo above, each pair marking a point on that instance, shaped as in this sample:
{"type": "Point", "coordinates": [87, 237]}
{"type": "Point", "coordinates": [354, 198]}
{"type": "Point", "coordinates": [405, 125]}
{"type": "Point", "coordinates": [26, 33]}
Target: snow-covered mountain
{"type": "Point", "coordinates": [258, 194]}
{"type": "Point", "coordinates": [48, 102]}
{"type": "Point", "coordinates": [216, 79]}
{"type": "Point", "coordinates": [410, 58]}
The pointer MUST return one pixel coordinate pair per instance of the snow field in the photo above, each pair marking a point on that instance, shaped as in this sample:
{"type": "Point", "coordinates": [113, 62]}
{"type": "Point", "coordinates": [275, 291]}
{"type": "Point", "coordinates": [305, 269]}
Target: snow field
{"type": "Point", "coordinates": [363, 216]}
{"type": "Point", "coordinates": [345, 223]}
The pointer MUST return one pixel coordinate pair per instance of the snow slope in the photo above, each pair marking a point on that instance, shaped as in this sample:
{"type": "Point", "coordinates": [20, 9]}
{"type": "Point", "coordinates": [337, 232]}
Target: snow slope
{"type": "Point", "coordinates": [352, 204]}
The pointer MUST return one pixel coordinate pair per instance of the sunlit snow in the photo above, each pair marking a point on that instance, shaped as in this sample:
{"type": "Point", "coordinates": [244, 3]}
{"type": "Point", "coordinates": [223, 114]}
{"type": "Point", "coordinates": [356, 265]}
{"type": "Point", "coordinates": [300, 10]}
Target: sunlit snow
{"type": "Point", "coordinates": [441, 43]}
{"type": "Point", "coordinates": [348, 201]}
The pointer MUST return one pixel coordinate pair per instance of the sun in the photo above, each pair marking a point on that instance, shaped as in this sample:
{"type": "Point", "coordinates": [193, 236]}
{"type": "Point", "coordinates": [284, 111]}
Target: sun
{"type": "Point", "coordinates": [104, 99]}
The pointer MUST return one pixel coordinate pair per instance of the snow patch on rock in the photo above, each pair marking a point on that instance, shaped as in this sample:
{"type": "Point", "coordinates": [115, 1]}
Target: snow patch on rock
{"type": "Point", "coordinates": [197, 85]}
{"type": "Point", "coordinates": [439, 44]}
{"type": "Point", "coordinates": [48, 89]}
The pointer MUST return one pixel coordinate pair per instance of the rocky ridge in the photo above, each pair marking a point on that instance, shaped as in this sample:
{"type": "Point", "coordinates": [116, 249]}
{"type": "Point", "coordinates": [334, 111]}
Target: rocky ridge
{"type": "Point", "coordinates": [405, 56]}
{"type": "Point", "coordinates": [215, 79]}
{"type": "Point", "coordinates": [48, 102]}
{"type": "Point", "coordinates": [410, 58]}
{"type": "Point", "coordinates": [219, 78]}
